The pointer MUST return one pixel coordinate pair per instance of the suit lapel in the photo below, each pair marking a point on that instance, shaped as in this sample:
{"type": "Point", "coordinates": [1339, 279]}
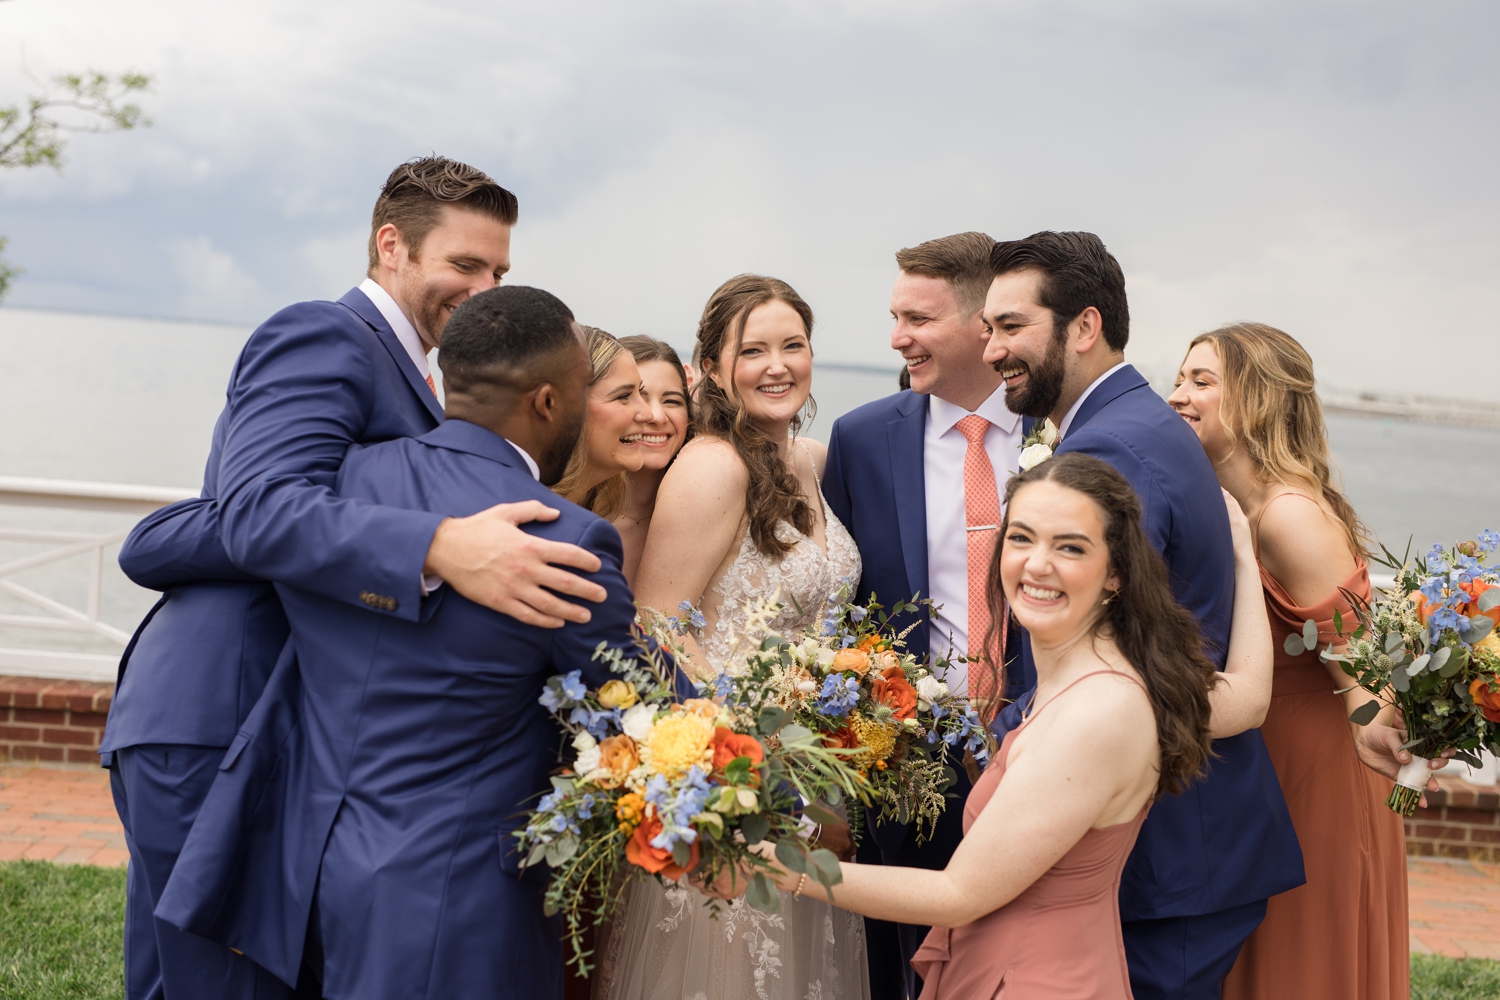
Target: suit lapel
{"type": "Point", "coordinates": [359, 303]}
{"type": "Point", "coordinates": [906, 437]}
{"type": "Point", "coordinates": [1109, 390]}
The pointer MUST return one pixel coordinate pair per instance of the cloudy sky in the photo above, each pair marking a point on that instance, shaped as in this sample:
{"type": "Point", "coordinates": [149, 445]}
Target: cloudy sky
{"type": "Point", "coordinates": [1328, 167]}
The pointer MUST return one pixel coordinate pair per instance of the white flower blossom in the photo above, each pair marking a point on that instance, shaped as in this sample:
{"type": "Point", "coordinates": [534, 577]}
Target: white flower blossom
{"type": "Point", "coordinates": [587, 762]}
{"type": "Point", "coordinates": [1034, 455]}
{"type": "Point", "coordinates": [930, 690]}
{"type": "Point", "coordinates": [584, 742]}
{"type": "Point", "coordinates": [637, 722]}
{"type": "Point", "coordinates": [1047, 433]}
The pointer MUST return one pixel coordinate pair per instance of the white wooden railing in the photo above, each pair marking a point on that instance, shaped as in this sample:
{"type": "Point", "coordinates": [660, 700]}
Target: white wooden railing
{"type": "Point", "coordinates": [56, 616]}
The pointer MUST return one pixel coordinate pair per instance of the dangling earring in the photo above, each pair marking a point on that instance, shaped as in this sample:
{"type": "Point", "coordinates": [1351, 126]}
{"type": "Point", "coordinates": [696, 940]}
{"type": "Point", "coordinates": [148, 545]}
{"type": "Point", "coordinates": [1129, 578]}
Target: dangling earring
{"type": "Point", "coordinates": [1111, 597]}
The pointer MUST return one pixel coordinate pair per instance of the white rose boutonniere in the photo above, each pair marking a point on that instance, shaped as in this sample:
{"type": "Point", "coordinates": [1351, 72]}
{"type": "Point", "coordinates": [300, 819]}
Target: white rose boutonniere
{"type": "Point", "coordinates": [1037, 447]}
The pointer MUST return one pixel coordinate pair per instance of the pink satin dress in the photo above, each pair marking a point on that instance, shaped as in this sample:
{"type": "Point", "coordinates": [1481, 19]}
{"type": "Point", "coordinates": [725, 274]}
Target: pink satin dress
{"type": "Point", "coordinates": [1058, 940]}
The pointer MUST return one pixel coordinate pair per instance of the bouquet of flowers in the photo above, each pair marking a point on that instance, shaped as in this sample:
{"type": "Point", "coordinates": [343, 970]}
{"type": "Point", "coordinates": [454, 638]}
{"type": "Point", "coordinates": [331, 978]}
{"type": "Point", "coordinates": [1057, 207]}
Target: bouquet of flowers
{"type": "Point", "coordinates": [1428, 646]}
{"type": "Point", "coordinates": [667, 787]}
{"type": "Point", "coordinates": [851, 682]}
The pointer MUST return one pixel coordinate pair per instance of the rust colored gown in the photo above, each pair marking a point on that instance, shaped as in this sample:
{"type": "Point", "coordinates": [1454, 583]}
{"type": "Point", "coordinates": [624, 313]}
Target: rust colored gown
{"type": "Point", "coordinates": [1058, 940]}
{"type": "Point", "coordinates": [1343, 935]}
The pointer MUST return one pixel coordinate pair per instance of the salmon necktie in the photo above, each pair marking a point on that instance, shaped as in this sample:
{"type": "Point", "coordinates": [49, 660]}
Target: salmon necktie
{"type": "Point", "coordinates": [432, 385]}
{"type": "Point", "coordinates": [981, 526]}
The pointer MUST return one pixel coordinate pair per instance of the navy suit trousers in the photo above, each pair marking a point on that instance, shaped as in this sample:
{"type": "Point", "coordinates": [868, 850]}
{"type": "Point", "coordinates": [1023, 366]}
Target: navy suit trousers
{"type": "Point", "coordinates": [157, 790]}
{"type": "Point", "coordinates": [1187, 958]}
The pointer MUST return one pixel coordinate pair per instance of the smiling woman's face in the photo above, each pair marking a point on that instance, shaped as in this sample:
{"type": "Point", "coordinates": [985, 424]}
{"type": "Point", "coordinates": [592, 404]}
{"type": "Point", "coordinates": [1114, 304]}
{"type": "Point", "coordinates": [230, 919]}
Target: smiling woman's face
{"type": "Point", "coordinates": [1054, 566]}
{"type": "Point", "coordinates": [1200, 387]}
{"type": "Point", "coordinates": [662, 435]}
{"type": "Point", "coordinates": [773, 370]}
{"type": "Point", "coordinates": [616, 415]}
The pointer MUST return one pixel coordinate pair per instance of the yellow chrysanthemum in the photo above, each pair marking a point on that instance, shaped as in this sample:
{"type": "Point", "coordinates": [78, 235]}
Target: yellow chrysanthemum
{"type": "Point", "coordinates": [678, 742]}
{"type": "Point", "coordinates": [877, 740]}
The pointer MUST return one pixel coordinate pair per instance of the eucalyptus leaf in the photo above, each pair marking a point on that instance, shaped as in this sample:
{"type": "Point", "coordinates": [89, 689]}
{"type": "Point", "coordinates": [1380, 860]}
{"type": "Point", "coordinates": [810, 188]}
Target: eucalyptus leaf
{"type": "Point", "coordinates": [762, 895]}
{"type": "Point", "coordinates": [818, 814]}
{"type": "Point", "coordinates": [549, 907]}
{"type": "Point", "coordinates": [1365, 714]}
{"type": "Point", "coordinates": [1441, 657]}
{"type": "Point", "coordinates": [1419, 664]}
{"type": "Point", "coordinates": [1477, 630]}
{"type": "Point", "coordinates": [537, 854]}
{"type": "Point", "coordinates": [1393, 642]}
{"type": "Point", "coordinates": [1400, 680]}
{"type": "Point", "coordinates": [771, 719]}
{"type": "Point", "coordinates": [1455, 663]}
{"type": "Point", "coordinates": [823, 865]}
{"type": "Point", "coordinates": [1411, 743]}
{"type": "Point", "coordinates": [1310, 634]}
{"type": "Point", "coordinates": [1489, 599]}
{"type": "Point", "coordinates": [755, 827]}
{"type": "Point", "coordinates": [682, 853]}
{"type": "Point", "coordinates": [1294, 645]}
{"type": "Point", "coordinates": [794, 734]}
{"type": "Point", "coordinates": [1467, 758]}
{"type": "Point", "coordinates": [1494, 747]}
{"type": "Point", "coordinates": [561, 850]}
{"type": "Point", "coordinates": [791, 857]}
{"type": "Point", "coordinates": [834, 796]}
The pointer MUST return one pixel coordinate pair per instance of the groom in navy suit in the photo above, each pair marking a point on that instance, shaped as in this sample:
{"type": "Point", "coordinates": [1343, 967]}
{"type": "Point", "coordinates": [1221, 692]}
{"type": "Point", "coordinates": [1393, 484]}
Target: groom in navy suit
{"type": "Point", "coordinates": [896, 476]}
{"type": "Point", "coordinates": [313, 380]}
{"type": "Point", "coordinates": [421, 740]}
{"type": "Point", "coordinates": [1196, 884]}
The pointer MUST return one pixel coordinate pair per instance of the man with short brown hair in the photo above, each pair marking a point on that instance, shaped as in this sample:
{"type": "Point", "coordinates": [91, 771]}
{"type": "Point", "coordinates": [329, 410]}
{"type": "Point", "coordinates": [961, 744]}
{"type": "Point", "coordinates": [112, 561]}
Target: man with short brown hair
{"type": "Point", "coordinates": [916, 477]}
{"type": "Point", "coordinates": [313, 381]}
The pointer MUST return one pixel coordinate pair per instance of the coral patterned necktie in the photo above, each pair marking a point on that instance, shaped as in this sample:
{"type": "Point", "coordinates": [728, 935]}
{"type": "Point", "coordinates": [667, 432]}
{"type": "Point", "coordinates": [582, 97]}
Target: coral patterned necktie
{"type": "Point", "coordinates": [982, 525]}
{"type": "Point", "coordinates": [432, 385]}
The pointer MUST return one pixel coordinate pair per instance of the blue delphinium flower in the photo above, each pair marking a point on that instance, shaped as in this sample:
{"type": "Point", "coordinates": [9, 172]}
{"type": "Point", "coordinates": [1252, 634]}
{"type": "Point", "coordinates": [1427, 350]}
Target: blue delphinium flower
{"type": "Point", "coordinates": [676, 810]}
{"type": "Point", "coordinates": [723, 686]}
{"type": "Point", "coordinates": [1432, 588]}
{"type": "Point", "coordinates": [695, 617]}
{"type": "Point", "coordinates": [551, 800]}
{"type": "Point", "coordinates": [586, 807]}
{"type": "Point", "coordinates": [1488, 541]}
{"type": "Point", "coordinates": [838, 695]}
{"type": "Point", "coordinates": [856, 614]}
{"type": "Point", "coordinates": [1444, 617]}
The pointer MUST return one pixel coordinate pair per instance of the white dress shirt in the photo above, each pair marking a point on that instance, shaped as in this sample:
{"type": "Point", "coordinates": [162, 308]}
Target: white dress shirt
{"type": "Point", "coordinates": [400, 325]}
{"type": "Point", "coordinates": [1062, 428]}
{"type": "Point", "coordinates": [944, 448]}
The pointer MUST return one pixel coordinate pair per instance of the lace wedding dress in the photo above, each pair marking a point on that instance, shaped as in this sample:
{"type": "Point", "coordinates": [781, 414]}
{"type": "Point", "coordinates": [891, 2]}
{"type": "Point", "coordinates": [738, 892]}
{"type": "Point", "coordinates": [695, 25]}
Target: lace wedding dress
{"type": "Point", "coordinates": [665, 944]}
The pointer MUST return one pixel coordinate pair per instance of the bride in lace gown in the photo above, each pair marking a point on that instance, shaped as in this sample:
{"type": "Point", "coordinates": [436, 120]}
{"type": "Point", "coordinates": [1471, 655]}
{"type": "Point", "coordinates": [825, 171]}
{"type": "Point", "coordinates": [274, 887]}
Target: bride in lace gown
{"type": "Point", "coordinates": [740, 515]}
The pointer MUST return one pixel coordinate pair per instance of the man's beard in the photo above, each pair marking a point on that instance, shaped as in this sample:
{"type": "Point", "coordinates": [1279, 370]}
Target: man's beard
{"type": "Point", "coordinates": [554, 460]}
{"type": "Point", "coordinates": [1044, 382]}
{"type": "Point", "coordinates": [430, 315]}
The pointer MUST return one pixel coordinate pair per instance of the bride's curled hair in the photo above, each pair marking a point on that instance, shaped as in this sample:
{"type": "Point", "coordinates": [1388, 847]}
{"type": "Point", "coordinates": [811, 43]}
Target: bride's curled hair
{"type": "Point", "coordinates": [774, 493]}
{"type": "Point", "coordinates": [1152, 631]}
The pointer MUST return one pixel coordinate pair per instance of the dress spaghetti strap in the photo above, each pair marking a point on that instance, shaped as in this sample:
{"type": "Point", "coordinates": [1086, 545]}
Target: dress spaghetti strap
{"type": "Point", "coordinates": [1288, 493]}
{"type": "Point", "coordinates": [1093, 673]}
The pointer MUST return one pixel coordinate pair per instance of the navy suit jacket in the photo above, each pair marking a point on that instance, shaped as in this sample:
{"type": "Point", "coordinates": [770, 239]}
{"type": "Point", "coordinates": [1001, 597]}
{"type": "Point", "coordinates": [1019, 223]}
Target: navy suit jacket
{"type": "Point", "coordinates": [312, 380]}
{"type": "Point", "coordinates": [874, 482]}
{"type": "Point", "coordinates": [419, 742]}
{"type": "Point", "coordinates": [1228, 840]}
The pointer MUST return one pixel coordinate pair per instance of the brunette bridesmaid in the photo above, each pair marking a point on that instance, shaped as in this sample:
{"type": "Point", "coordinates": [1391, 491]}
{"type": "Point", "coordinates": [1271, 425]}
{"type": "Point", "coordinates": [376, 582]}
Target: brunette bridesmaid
{"type": "Point", "coordinates": [1247, 390]}
{"type": "Point", "coordinates": [664, 390]}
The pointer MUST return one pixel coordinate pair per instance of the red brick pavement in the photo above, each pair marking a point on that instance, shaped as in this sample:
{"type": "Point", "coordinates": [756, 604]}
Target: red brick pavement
{"type": "Point", "coordinates": [66, 815]}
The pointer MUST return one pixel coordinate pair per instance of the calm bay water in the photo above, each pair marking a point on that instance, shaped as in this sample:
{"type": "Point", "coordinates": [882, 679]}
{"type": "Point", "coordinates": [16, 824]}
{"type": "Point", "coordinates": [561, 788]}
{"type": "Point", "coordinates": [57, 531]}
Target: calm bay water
{"type": "Point", "coordinates": [109, 399]}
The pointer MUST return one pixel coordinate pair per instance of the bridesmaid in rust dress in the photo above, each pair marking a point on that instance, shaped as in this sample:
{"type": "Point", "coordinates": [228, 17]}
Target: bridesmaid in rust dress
{"type": "Point", "coordinates": [1125, 708]}
{"type": "Point", "coordinates": [1247, 390]}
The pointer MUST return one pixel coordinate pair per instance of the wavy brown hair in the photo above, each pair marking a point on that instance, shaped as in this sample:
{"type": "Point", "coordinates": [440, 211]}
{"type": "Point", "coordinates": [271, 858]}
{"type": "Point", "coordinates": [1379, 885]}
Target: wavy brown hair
{"type": "Point", "coordinates": [608, 498]}
{"type": "Point", "coordinates": [1270, 406]}
{"type": "Point", "coordinates": [1152, 631]}
{"type": "Point", "coordinates": [774, 493]}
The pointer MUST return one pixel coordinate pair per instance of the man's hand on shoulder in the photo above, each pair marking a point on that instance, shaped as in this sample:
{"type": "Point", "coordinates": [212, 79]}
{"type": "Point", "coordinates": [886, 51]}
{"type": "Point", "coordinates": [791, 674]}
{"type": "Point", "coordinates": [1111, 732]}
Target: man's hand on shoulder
{"type": "Point", "coordinates": [491, 561]}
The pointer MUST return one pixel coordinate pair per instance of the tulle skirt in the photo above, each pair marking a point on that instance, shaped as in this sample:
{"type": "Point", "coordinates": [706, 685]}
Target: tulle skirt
{"type": "Point", "coordinates": [666, 944]}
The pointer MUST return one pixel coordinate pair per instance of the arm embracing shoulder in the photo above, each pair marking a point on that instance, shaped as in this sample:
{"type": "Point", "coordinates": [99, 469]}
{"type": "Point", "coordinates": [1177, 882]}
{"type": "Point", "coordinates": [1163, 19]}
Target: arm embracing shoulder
{"type": "Point", "coordinates": [179, 544]}
{"type": "Point", "coordinates": [304, 393]}
{"type": "Point", "coordinates": [1243, 693]}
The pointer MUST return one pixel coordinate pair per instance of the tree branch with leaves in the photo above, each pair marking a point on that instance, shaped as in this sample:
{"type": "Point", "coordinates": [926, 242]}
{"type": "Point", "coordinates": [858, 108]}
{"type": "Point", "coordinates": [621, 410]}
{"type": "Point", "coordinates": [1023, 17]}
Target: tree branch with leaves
{"type": "Point", "coordinates": [33, 133]}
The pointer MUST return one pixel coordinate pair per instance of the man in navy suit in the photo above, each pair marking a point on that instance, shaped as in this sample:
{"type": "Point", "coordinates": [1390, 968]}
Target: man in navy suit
{"type": "Point", "coordinates": [896, 478]}
{"type": "Point", "coordinates": [421, 740]}
{"type": "Point", "coordinates": [1206, 861]}
{"type": "Point", "coordinates": [313, 380]}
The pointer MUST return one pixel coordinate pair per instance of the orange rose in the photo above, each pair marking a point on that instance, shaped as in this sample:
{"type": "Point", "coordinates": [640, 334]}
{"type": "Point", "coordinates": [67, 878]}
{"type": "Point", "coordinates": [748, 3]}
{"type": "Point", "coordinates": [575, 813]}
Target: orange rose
{"type": "Point", "coordinates": [886, 659]}
{"type": "Point", "coordinates": [639, 852]}
{"type": "Point", "coordinates": [1484, 695]}
{"type": "Point", "coordinates": [1471, 609]}
{"type": "Point", "coordinates": [841, 737]}
{"type": "Point", "coordinates": [729, 744]}
{"type": "Point", "coordinates": [853, 659]}
{"type": "Point", "coordinates": [871, 644]}
{"type": "Point", "coordinates": [891, 688]}
{"type": "Point", "coordinates": [619, 756]}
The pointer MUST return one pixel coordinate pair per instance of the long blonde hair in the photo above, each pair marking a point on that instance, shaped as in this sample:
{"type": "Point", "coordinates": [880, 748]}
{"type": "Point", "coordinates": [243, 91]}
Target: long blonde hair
{"type": "Point", "coordinates": [608, 498]}
{"type": "Point", "coordinates": [1270, 406]}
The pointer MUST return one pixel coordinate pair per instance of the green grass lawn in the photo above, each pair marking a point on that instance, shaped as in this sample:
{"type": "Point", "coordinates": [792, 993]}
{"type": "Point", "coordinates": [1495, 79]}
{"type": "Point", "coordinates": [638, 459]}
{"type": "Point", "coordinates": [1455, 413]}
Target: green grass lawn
{"type": "Point", "coordinates": [60, 940]}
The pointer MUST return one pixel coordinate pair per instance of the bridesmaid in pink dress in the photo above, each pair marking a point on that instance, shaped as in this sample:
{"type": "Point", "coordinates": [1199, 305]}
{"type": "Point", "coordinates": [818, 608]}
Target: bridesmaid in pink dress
{"type": "Point", "coordinates": [1125, 708]}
